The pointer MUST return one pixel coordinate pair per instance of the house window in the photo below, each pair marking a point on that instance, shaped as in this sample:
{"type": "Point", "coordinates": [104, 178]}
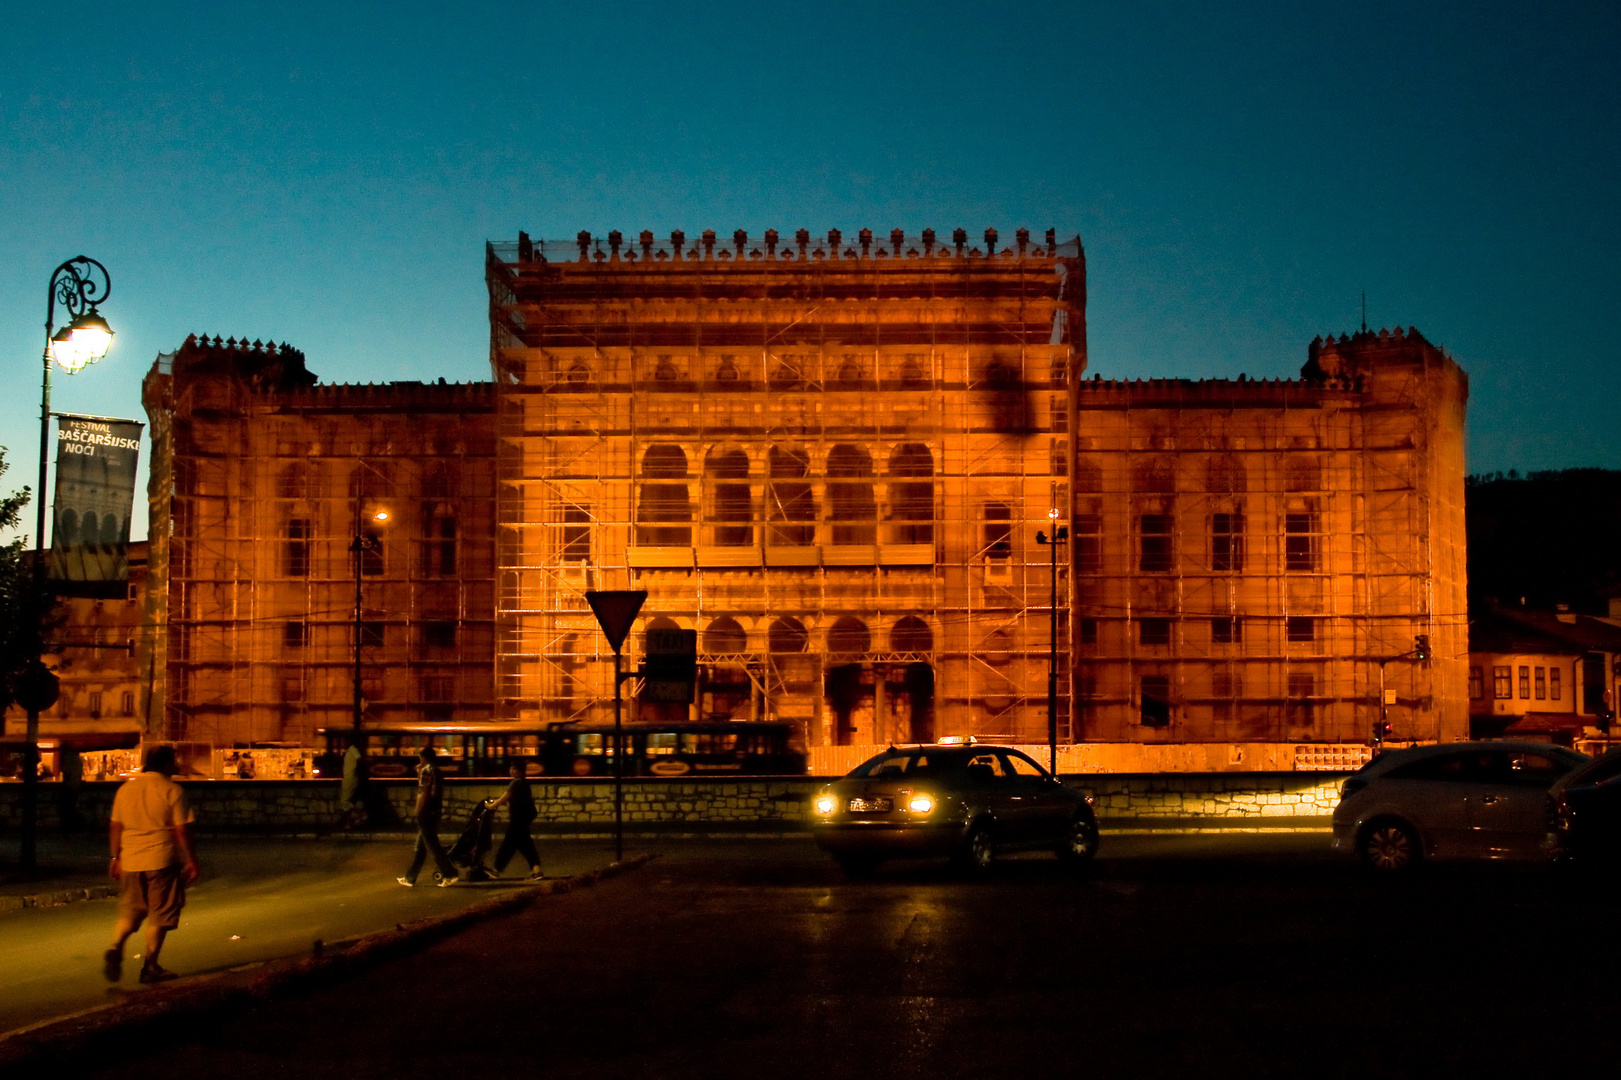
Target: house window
{"type": "Point", "coordinates": [1154, 631]}
{"type": "Point", "coordinates": [1300, 628]}
{"type": "Point", "coordinates": [1553, 684]}
{"type": "Point", "coordinates": [439, 547]}
{"type": "Point", "coordinates": [792, 500]}
{"type": "Point", "coordinates": [1089, 631]}
{"type": "Point", "coordinates": [439, 635]}
{"type": "Point", "coordinates": [1502, 682]}
{"type": "Point", "coordinates": [95, 704]}
{"type": "Point", "coordinates": [1227, 630]}
{"type": "Point", "coordinates": [912, 501]}
{"type": "Point", "coordinates": [438, 687]}
{"type": "Point", "coordinates": [663, 513]}
{"type": "Point", "coordinates": [1227, 542]}
{"type": "Point", "coordinates": [1300, 708]}
{"type": "Point", "coordinates": [1087, 530]}
{"type": "Point", "coordinates": [295, 552]}
{"type": "Point", "coordinates": [1154, 700]}
{"type": "Point", "coordinates": [731, 506]}
{"type": "Point", "coordinates": [1525, 682]}
{"type": "Point", "coordinates": [852, 508]}
{"type": "Point", "coordinates": [576, 539]}
{"type": "Point", "coordinates": [371, 634]}
{"type": "Point", "coordinates": [1154, 542]}
{"type": "Point", "coordinates": [1541, 677]}
{"type": "Point", "coordinates": [295, 635]}
{"type": "Point", "coordinates": [1477, 684]}
{"type": "Point", "coordinates": [998, 524]}
{"type": "Point", "coordinates": [1300, 542]}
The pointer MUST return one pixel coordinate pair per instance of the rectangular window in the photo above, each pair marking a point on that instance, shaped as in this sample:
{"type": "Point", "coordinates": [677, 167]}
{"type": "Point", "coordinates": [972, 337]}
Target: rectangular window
{"type": "Point", "coordinates": [1154, 700]}
{"type": "Point", "coordinates": [1154, 631]}
{"type": "Point", "coordinates": [1089, 631]}
{"type": "Point", "coordinates": [1502, 682]}
{"type": "Point", "coordinates": [1154, 540]}
{"type": "Point", "coordinates": [998, 531]}
{"type": "Point", "coordinates": [295, 552]}
{"type": "Point", "coordinates": [294, 635]}
{"type": "Point", "coordinates": [439, 635]}
{"type": "Point", "coordinates": [1227, 542]}
{"type": "Point", "coordinates": [1477, 684]}
{"type": "Point", "coordinates": [576, 534]}
{"type": "Point", "coordinates": [371, 554]}
{"type": "Point", "coordinates": [1525, 682]}
{"type": "Point", "coordinates": [1224, 683]}
{"type": "Point", "coordinates": [1300, 628]}
{"type": "Point", "coordinates": [444, 546]}
{"type": "Point", "coordinates": [1553, 684]}
{"type": "Point", "coordinates": [127, 703]}
{"type": "Point", "coordinates": [95, 703]}
{"type": "Point", "coordinates": [1088, 533]}
{"type": "Point", "coordinates": [1300, 542]}
{"type": "Point", "coordinates": [1226, 630]}
{"type": "Point", "coordinates": [371, 634]}
{"type": "Point", "coordinates": [1541, 678]}
{"type": "Point", "coordinates": [1301, 709]}
{"type": "Point", "coordinates": [438, 687]}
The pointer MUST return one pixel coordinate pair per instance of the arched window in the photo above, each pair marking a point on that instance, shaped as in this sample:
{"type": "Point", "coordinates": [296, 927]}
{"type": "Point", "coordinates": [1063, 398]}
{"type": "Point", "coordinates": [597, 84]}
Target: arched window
{"type": "Point", "coordinates": [1224, 475]}
{"type": "Point", "coordinates": [849, 370]}
{"type": "Point", "coordinates": [791, 503]}
{"type": "Point", "coordinates": [788, 373]}
{"type": "Point", "coordinates": [913, 374]}
{"type": "Point", "coordinates": [663, 512]}
{"type": "Point", "coordinates": [731, 509]}
{"type": "Point", "coordinates": [665, 370]}
{"type": "Point", "coordinates": [787, 635]}
{"type": "Point", "coordinates": [578, 374]}
{"type": "Point", "coordinates": [849, 635]}
{"type": "Point", "coordinates": [727, 370]}
{"type": "Point", "coordinates": [725, 635]}
{"type": "Point", "coordinates": [911, 502]}
{"type": "Point", "coordinates": [911, 634]}
{"type": "Point", "coordinates": [1153, 474]}
{"type": "Point", "coordinates": [851, 506]}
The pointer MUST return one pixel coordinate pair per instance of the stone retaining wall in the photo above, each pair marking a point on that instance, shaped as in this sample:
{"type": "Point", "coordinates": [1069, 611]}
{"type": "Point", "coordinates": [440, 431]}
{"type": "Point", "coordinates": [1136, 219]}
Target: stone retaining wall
{"type": "Point", "coordinates": [676, 803]}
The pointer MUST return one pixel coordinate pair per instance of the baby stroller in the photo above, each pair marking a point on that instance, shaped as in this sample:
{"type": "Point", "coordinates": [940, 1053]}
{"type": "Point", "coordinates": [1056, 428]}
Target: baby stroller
{"type": "Point", "coordinates": [473, 844]}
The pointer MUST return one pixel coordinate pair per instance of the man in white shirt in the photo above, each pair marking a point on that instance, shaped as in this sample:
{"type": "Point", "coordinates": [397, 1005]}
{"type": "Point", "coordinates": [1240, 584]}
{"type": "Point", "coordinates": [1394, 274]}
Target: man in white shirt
{"type": "Point", "coordinates": [153, 861]}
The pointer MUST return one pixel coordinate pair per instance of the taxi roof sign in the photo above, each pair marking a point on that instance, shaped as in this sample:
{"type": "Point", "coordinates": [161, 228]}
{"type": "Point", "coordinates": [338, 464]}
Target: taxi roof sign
{"type": "Point", "coordinates": [616, 610]}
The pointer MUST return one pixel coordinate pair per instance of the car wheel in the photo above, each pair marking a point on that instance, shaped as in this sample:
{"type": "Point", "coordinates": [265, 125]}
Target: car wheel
{"type": "Point", "coordinates": [978, 851]}
{"type": "Point", "coordinates": [1082, 842]}
{"type": "Point", "coordinates": [1389, 846]}
{"type": "Point", "coordinates": [856, 867]}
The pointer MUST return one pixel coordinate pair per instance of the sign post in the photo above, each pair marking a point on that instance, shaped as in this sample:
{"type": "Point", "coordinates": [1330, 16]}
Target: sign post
{"type": "Point", "coordinates": [616, 610]}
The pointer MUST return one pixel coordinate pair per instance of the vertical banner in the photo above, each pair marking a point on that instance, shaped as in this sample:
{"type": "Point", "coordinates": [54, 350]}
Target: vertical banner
{"type": "Point", "coordinates": [95, 491]}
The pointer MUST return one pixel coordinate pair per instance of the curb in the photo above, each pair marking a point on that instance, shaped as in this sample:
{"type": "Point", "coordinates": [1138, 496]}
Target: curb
{"type": "Point", "coordinates": [57, 898]}
{"type": "Point", "coordinates": [104, 1029]}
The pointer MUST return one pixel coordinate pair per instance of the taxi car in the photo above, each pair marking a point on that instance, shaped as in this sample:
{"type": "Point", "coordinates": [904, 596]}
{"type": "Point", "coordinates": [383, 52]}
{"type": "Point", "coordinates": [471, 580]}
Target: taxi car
{"type": "Point", "coordinates": [956, 798]}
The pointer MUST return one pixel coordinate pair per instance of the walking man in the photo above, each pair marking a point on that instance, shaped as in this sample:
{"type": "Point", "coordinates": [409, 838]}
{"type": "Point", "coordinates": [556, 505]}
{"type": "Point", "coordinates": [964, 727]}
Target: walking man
{"type": "Point", "coordinates": [153, 861]}
{"type": "Point", "coordinates": [520, 815]}
{"type": "Point", "coordinates": [429, 806]}
{"type": "Point", "coordinates": [353, 793]}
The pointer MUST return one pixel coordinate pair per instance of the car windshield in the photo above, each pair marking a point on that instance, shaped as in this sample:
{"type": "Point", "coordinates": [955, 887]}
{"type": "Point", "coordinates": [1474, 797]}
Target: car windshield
{"type": "Point", "coordinates": [907, 763]}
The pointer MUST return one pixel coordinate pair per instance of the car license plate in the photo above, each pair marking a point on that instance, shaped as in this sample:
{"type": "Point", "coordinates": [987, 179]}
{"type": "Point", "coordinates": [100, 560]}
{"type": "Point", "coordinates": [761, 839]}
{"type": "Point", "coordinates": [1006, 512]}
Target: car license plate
{"type": "Point", "coordinates": [870, 806]}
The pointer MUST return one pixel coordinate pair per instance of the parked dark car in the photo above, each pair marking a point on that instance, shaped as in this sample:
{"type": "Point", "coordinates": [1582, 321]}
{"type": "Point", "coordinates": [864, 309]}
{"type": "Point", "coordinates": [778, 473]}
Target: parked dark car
{"type": "Point", "coordinates": [966, 801]}
{"type": "Point", "coordinates": [1585, 812]}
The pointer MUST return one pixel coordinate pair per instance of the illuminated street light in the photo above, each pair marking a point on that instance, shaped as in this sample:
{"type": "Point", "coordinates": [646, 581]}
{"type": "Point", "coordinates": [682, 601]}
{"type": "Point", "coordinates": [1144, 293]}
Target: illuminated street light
{"type": "Point", "coordinates": [78, 285]}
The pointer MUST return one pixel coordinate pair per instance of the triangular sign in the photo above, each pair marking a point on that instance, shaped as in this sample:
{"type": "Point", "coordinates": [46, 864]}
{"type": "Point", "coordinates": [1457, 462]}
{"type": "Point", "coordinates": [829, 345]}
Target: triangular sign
{"type": "Point", "coordinates": [615, 609]}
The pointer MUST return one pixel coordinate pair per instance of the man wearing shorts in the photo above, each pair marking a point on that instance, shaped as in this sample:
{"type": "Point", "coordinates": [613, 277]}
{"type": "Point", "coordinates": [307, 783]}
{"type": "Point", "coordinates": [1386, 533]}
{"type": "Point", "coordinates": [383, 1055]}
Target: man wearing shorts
{"type": "Point", "coordinates": [153, 861]}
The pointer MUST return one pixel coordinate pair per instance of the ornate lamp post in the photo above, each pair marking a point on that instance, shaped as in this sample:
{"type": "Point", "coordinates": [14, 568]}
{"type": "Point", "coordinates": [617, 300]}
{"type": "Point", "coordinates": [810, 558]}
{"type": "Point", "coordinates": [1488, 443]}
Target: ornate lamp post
{"type": "Point", "coordinates": [78, 285]}
{"type": "Point", "coordinates": [1059, 537]}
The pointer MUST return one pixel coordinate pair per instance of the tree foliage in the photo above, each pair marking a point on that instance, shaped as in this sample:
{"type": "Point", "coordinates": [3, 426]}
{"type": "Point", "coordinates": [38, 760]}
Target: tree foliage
{"type": "Point", "coordinates": [27, 605]}
{"type": "Point", "coordinates": [1547, 537]}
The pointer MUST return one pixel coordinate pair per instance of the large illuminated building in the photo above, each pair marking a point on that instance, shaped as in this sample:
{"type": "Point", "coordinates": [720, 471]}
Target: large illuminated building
{"type": "Point", "coordinates": [830, 457]}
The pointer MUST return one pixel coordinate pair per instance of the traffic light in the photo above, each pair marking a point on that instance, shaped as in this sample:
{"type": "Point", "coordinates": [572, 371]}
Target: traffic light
{"type": "Point", "coordinates": [1381, 732]}
{"type": "Point", "coordinates": [1421, 647]}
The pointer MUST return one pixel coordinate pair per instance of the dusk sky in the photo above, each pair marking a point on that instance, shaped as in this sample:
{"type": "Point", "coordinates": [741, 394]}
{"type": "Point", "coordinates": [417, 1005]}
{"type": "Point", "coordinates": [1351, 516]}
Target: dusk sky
{"type": "Point", "coordinates": [1239, 172]}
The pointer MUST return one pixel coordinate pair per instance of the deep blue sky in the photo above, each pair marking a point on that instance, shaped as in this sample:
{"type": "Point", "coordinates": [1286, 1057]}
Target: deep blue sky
{"type": "Point", "coordinates": [1240, 172]}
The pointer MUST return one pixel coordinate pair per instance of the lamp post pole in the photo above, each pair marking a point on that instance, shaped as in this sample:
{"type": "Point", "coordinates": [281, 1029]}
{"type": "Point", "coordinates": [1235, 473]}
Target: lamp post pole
{"type": "Point", "coordinates": [1059, 537]}
{"type": "Point", "coordinates": [78, 285]}
{"type": "Point", "coordinates": [362, 543]}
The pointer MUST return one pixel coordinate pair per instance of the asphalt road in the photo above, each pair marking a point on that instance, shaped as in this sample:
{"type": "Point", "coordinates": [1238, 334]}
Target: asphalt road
{"type": "Point", "coordinates": [1207, 956]}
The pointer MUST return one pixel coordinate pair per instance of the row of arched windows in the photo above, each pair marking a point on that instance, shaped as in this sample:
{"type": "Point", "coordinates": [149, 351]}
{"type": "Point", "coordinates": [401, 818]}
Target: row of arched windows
{"type": "Point", "coordinates": [788, 635]}
{"type": "Point", "coordinates": [1220, 475]}
{"type": "Point", "coordinates": [303, 480]}
{"type": "Point", "coordinates": [664, 510]}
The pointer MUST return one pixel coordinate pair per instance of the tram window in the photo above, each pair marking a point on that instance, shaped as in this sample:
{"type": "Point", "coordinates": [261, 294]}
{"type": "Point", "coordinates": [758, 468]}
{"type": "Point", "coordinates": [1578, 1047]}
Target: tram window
{"type": "Point", "coordinates": [662, 742]}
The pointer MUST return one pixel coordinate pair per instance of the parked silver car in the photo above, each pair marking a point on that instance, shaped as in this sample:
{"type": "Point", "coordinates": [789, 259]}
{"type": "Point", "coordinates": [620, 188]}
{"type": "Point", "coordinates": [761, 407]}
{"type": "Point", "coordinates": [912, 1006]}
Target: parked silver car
{"type": "Point", "coordinates": [1476, 800]}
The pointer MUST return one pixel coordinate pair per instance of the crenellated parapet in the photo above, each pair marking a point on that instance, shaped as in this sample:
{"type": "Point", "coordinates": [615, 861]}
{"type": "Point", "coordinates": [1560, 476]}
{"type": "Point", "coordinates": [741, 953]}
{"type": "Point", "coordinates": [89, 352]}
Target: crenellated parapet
{"type": "Point", "coordinates": [771, 246]}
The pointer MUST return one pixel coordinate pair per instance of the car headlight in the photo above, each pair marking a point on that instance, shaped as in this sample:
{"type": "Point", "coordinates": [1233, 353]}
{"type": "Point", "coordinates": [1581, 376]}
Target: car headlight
{"type": "Point", "coordinates": [920, 803]}
{"type": "Point", "coordinates": [826, 804]}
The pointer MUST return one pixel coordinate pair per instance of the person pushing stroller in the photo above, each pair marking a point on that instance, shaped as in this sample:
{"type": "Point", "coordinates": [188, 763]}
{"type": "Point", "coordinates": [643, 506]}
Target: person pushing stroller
{"type": "Point", "coordinates": [520, 802]}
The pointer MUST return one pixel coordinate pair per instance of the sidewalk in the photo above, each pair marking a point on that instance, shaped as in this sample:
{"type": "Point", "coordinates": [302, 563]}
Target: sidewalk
{"type": "Point", "coordinates": [74, 868]}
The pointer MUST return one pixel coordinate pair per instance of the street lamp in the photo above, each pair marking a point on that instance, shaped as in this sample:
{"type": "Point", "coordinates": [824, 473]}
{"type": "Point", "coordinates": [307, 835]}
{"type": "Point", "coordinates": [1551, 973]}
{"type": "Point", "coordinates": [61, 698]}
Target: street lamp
{"type": "Point", "coordinates": [1059, 537]}
{"type": "Point", "coordinates": [78, 285]}
{"type": "Point", "coordinates": [363, 542]}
